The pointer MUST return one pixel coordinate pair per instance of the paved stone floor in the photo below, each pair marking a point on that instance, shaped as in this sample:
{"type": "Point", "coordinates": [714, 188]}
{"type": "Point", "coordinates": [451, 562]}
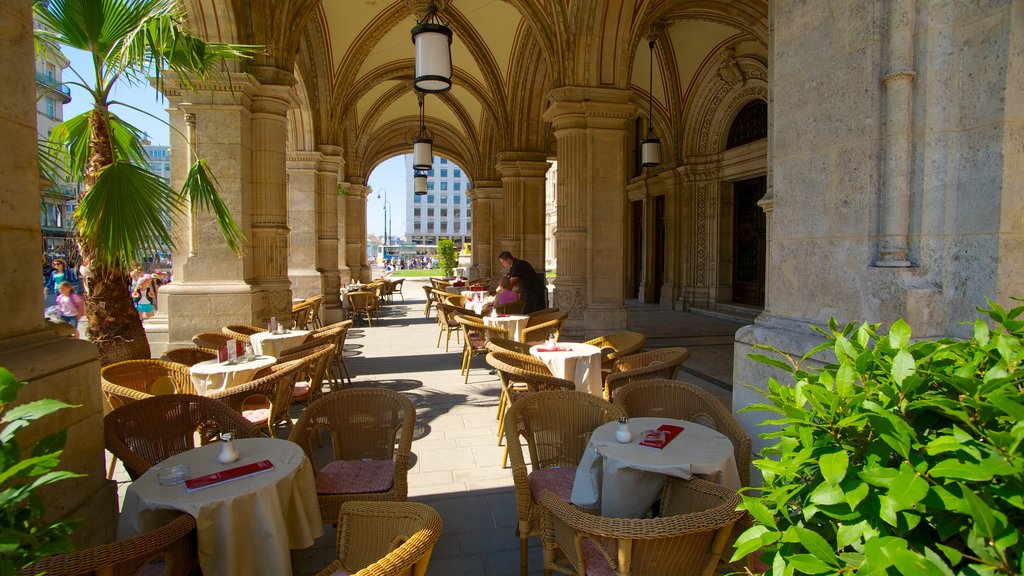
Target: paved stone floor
{"type": "Point", "coordinates": [456, 465]}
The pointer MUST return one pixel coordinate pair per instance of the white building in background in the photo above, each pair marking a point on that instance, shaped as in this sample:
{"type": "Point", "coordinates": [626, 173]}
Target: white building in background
{"type": "Point", "coordinates": [159, 157]}
{"type": "Point", "coordinates": [444, 211]}
{"type": "Point", "coordinates": [59, 202]}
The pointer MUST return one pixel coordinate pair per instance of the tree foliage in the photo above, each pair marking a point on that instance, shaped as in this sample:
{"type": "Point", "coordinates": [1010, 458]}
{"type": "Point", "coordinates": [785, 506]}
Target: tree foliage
{"type": "Point", "coordinates": [447, 256]}
{"type": "Point", "coordinates": [899, 458]}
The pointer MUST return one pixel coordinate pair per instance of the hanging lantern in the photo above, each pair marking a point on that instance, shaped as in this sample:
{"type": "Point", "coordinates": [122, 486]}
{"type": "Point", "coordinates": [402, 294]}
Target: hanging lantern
{"type": "Point", "coordinates": [433, 42]}
{"type": "Point", "coordinates": [650, 147]}
{"type": "Point", "coordinates": [422, 145]}
{"type": "Point", "coordinates": [419, 183]}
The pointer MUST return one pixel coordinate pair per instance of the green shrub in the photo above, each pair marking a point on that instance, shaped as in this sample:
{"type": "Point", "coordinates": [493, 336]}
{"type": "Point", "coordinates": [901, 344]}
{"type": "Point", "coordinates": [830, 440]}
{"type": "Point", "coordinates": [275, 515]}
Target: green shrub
{"type": "Point", "coordinates": [25, 535]}
{"type": "Point", "coordinates": [900, 458]}
{"type": "Point", "coordinates": [447, 256]}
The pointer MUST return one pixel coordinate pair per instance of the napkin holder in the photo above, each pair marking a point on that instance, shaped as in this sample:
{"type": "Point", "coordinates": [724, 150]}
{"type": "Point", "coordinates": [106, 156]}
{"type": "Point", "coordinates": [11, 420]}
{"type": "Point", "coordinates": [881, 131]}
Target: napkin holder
{"type": "Point", "coordinates": [224, 353]}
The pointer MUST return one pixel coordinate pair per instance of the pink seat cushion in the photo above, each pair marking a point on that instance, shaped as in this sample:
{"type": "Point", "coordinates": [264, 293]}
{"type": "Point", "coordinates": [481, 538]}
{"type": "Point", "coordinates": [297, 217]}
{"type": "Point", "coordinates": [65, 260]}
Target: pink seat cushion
{"type": "Point", "coordinates": [597, 564]}
{"type": "Point", "coordinates": [356, 477]}
{"type": "Point", "coordinates": [300, 391]}
{"type": "Point", "coordinates": [558, 480]}
{"type": "Point", "coordinates": [258, 416]}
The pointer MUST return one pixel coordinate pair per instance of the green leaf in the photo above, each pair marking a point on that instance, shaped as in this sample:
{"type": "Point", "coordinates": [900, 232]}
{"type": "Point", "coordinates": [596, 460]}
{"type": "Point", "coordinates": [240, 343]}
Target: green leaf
{"type": "Point", "coordinates": [816, 545]}
{"type": "Point", "coordinates": [753, 539]}
{"type": "Point", "coordinates": [833, 466]}
{"type": "Point", "coordinates": [809, 564]}
{"type": "Point", "coordinates": [53, 443]}
{"type": "Point", "coordinates": [984, 520]}
{"type": "Point", "coordinates": [848, 534]}
{"type": "Point", "coordinates": [857, 494]}
{"type": "Point", "coordinates": [903, 365]}
{"type": "Point", "coordinates": [201, 188]}
{"type": "Point", "coordinates": [826, 494]}
{"type": "Point", "coordinates": [899, 334]}
{"type": "Point", "coordinates": [908, 488]}
{"type": "Point", "coordinates": [761, 358]}
{"type": "Point", "coordinates": [981, 332]}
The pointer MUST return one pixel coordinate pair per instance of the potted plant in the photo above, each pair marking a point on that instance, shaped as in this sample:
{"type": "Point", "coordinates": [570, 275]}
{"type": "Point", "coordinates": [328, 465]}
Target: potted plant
{"type": "Point", "coordinates": [900, 457]}
{"type": "Point", "coordinates": [447, 256]}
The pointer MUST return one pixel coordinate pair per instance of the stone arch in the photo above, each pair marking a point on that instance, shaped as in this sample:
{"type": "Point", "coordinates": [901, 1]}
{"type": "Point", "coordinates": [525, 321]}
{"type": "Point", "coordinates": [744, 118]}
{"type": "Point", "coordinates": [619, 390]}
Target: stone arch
{"type": "Point", "coordinates": [725, 84]}
{"type": "Point", "coordinates": [300, 121]}
{"type": "Point", "coordinates": [395, 137]}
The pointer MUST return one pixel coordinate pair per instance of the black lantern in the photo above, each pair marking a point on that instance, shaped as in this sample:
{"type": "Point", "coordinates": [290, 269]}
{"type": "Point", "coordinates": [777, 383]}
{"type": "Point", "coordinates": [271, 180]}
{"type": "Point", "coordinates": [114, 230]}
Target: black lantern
{"type": "Point", "coordinates": [650, 147]}
{"type": "Point", "coordinates": [433, 42]}
{"type": "Point", "coordinates": [419, 183]}
{"type": "Point", "coordinates": [422, 144]}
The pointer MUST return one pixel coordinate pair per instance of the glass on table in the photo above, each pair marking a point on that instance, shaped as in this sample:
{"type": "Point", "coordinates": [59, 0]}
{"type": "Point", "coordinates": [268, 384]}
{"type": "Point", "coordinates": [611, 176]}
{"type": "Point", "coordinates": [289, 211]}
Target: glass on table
{"type": "Point", "coordinates": [172, 475]}
{"type": "Point", "coordinates": [656, 437]}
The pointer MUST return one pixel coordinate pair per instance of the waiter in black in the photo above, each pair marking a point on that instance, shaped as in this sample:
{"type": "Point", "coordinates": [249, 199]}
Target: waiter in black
{"type": "Point", "coordinates": [525, 279]}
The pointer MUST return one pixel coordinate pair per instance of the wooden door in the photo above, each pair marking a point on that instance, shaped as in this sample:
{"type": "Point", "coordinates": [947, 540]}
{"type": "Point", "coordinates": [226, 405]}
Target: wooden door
{"type": "Point", "coordinates": [749, 242]}
{"type": "Point", "coordinates": [636, 208]}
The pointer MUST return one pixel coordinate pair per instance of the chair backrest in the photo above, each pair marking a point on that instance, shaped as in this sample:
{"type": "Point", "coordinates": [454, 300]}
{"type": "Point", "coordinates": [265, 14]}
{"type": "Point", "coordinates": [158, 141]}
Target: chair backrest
{"type": "Point", "coordinates": [131, 380]}
{"type": "Point", "coordinates": [368, 532]}
{"type": "Point", "coordinates": [663, 363]}
{"type": "Point", "coordinates": [556, 425]}
{"type": "Point", "coordinates": [316, 361]}
{"type": "Point", "coordinates": [428, 291]}
{"type": "Point", "coordinates": [685, 401]}
{"type": "Point", "coordinates": [210, 339]}
{"type": "Point", "coordinates": [396, 286]}
{"type": "Point", "coordinates": [362, 300]}
{"type": "Point", "coordinates": [362, 423]}
{"type": "Point", "coordinates": [190, 356]}
{"type": "Point", "coordinates": [620, 344]}
{"type": "Point", "coordinates": [302, 313]}
{"type": "Point", "coordinates": [688, 537]}
{"type": "Point", "coordinates": [538, 327]}
{"type": "Point", "coordinates": [273, 391]}
{"type": "Point", "coordinates": [241, 331]}
{"type": "Point", "coordinates": [474, 326]}
{"type": "Point", "coordinates": [170, 550]}
{"type": "Point", "coordinates": [512, 307]}
{"type": "Point", "coordinates": [507, 345]}
{"type": "Point", "coordinates": [146, 432]}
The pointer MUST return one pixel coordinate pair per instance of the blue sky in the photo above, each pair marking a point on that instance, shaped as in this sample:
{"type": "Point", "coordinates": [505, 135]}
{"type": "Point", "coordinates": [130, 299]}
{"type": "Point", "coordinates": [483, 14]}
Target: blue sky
{"type": "Point", "coordinates": [389, 175]}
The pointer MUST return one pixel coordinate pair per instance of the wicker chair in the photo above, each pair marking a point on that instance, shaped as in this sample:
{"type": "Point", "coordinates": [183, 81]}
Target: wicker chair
{"type": "Point", "coordinates": [511, 308]}
{"type": "Point", "coordinates": [428, 292]}
{"type": "Point", "coordinates": [189, 356]}
{"type": "Point", "coordinates": [170, 550]}
{"type": "Point", "coordinates": [446, 323]}
{"type": "Point", "coordinates": [364, 425]}
{"type": "Point", "coordinates": [474, 339]}
{"type": "Point", "coordinates": [618, 345]}
{"type": "Point", "coordinates": [214, 340]}
{"type": "Point", "coordinates": [340, 367]}
{"type": "Point", "coordinates": [557, 426]}
{"type": "Point", "coordinates": [439, 284]}
{"type": "Point", "coordinates": [365, 303]}
{"type": "Point", "coordinates": [302, 314]}
{"type": "Point", "coordinates": [368, 532]}
{"type": "Point", "coordinates": [131, 380]}
{"type": "Point", "coordinates": [147, 432]}
{"type": "Point", "coordinates": [309, 384]}
{"type": "Point", "coordinates": [265, 400]}
{"type": "Point", "coordinates": [314, 306]}
{"type": "Point", "coordinates": [396, 288]}
{"type": "Point", "coordinates": [539, 326]}
{"type": "Point", "coordinates": [241, 331]}
{"type": "Point", "coordinates": [696, 519]}
{"type": "Point", "coordinates": [663, 363]}
{"type": "Point", "coordinates": [507, 345]}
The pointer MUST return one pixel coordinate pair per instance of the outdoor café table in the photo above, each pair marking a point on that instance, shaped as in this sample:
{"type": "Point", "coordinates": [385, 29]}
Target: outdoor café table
{"type": "Point", "coordinates": [211, 376]}
{"type": "Point", "coordinates": [479, 303]}
{"type": "Point", "coordinates": [245, 526]}
{"type": "Point", "coordinates": [624, 480]}
{"type": "Point", "coordinates": [512, 323]}
{"type": "Point", "coordinates": [269, 344]}
{"type": "Point", "coordinates": [574, 361]}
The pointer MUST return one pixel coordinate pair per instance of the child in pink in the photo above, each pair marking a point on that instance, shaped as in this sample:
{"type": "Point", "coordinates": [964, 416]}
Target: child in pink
{"type": "Point", "coordinates": [71, 305]}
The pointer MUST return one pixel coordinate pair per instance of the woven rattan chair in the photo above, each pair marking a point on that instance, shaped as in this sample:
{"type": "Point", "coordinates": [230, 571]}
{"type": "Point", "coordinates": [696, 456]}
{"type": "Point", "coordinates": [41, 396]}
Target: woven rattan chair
{"type": "Point", "coordinates": [428, 292]}
{"type": "Point", "coordinates": [511, 308]}
{"type": "Point", "coordinates": [169, 550]}
{"type": "Point", "coordinates": [687, 538]}
{"type": "Point", "coordinates": [439, 284]}
{"type": "Point", "coordinates": [369, 531]}
{"type": "Point", "coordinates": [338, 362]}
{"type": "Point", "coordinates": [146, 432]}
{"type": "Point", "coordinates": [190, 356]}
{"type": "Point", "coordinates": [508, 345]}
{"type": "Point", "coordinates": [556, 426]}
{"type": "Point", "coordinates": [264, 401]}
{"type": "Point", "coordinates": [396, 288]}
{"type": "Point", "coordinates": [474, 339]}
{"type": "Point", "coordinates": [446, 324]}
{"type": "Point", "coordinates": [539, 326]}
{"type": "Point", "coordinates": [618, 345]}
{"type": "Point", "coordinates": [241, 331]}
{"type": "Point", "coordinates": [314, 306]}
{"type": "Point", "coordinates": [131, 380]}
{"type": "Point", "coordinates": [309, 384]}
{"type": "Point", "coordinates": [371, 434]}
{"type": "Point", "coordinates": [365, 303]}
{"type": "Point", "coordinates": [302, 314]}
{"type": "Point", "coordinates": [663, 363]}
{"type": "Point", "coordinates": [214, 340]}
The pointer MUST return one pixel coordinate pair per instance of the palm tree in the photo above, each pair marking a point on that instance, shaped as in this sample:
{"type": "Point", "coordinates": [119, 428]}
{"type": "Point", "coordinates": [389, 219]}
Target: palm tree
{"type": "Point", "coordinates": [120, 216]}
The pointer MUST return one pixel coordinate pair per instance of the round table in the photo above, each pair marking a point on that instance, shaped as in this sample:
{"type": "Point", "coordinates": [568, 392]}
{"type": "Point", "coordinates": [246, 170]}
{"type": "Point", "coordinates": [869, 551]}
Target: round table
{"type": "Point", "coordinates": [624, 480]}
{"type": "Point", "coordinates": [211, 376]}
{"type": "Point", "coordinates": [574, 361]}
{"type": "Point", "coordinates": [512, 323]}
{"type": "Point", "coordinates": [246, 526]}
{"type": "Point", "coordinates": [269, 344]}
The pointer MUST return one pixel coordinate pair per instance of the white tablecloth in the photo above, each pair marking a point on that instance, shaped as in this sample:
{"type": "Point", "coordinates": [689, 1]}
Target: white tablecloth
{"type": "Point", "coordinates": [246, 526]}
{"type": "Point", "coordinates": [580, 363]}
{"type": "Point", "coordinates": [211, 376]}
{"type": "Point", "coordinates": [626, 479]}
{"type": "Point", "coordinates": [273, 344]}
{"type": "Point", "coordinates": [513, 323]}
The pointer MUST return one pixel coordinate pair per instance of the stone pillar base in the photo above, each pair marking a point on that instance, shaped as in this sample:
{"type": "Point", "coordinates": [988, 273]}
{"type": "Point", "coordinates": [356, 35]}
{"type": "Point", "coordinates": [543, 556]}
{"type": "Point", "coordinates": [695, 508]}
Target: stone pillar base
{"type": "Point", "coordinates": [601, 319]}
{"type": "Point", "coordinates": [195, 307]}
{"type": "Point", "coordinates": [305, 282]}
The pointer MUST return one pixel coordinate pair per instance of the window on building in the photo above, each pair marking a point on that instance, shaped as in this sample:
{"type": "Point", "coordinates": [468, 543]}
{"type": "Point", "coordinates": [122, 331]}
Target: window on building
{"type": "Point", "coordinates": [416, 198]}
{"type": "Point", "coordinates": [430, 198]}
{"type": "Point", "coordinates": [444, 185]}
{"type": "Point", "coordinates": [444, 199]}
{"type": "Point", "coordinates": [457, 226]}
{"type": "Point", "coordinates": [458, 198]}
{"type": "Point", "coordinates": [416, 212]}
{"type": "Point", "coordinates": [430, 173]}
{"type": "Point", "coordinates": [469, 213]}
{"type": "Point", "coordinates": [457, 213]}
{"type": "Point", "coordinates": [457, 173]}
{"type": "Point", "coordinates": [444, 212]}
{"type": "Point", "coordinates": [444, 172]}
{"type": "Point", "coordinates": [457, 186]}
{"type": "Point", "coordinates": [51, 108]}
{"type": "Point", "coordinates": [444, 226]}
{"type": "Point", "coordinates": [469, 226]}
{"type": "Point", "coordinates": [430, 212]}
{"type": "Point", "coordinates": [430, 226]}
{"type": "Point", "coordinates": [416, 226]}
{"type": "Point", "coordinates": [444, 160]}
{"type": "Point", "coordinates": [430, 185]}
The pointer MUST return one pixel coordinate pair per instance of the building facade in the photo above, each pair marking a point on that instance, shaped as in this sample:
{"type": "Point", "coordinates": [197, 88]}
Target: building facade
{"type": "Point", "coordinates": [445, 210]}
{"type": "Point", "coordinates": [60, 198]}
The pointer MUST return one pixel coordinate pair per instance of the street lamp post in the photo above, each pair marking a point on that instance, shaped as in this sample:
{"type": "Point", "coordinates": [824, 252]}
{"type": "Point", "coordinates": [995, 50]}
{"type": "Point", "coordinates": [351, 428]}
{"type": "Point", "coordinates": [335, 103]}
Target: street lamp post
{"type": "Point", "coordinates": [387, 219]}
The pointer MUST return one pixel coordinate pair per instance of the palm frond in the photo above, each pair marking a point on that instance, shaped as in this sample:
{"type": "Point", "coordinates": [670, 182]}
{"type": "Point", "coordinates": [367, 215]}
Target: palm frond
{"type": "Point", "coordinates": [201, 188]}
{"type": "Point", "coordinates": [70, 144]}
{"type": "Point", "coordinates": [127, 141]}
{"type": "Point", "coordinates": [50, 167]}
{"type": "Point", "coordinates": [123, 212]}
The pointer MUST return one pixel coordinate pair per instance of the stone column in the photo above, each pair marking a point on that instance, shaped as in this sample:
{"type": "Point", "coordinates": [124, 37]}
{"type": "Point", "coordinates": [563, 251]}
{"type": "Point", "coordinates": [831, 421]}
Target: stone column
{"type": "Point", "coordinates": [699, 208]}
{"type": "Point", "coordinates": [522, 180]}
{"type": "Point", "coordinates": [54, 367]}
{"type": "Point", "coordinates": [303, 221]}
{"type": "Point", "coordinates": [590, 125]}
{"type": "Point", "coordinates": [328, 170]}
{"type": "Point", "coordinates": [668, 181]}
{"type": "Point", "coordinates": [483, 197]}
{"type": "Point", "coordinates": [355, 231]}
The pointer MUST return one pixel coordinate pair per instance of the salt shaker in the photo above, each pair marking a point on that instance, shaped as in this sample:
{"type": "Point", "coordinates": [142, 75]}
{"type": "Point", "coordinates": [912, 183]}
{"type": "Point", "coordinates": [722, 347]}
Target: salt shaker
{"type": "Point", "coordinates": [228, 453]}
{"type": "Point", "coordinates": [622, 434]}
{"type": "Point", "coordinates": [551, 340]}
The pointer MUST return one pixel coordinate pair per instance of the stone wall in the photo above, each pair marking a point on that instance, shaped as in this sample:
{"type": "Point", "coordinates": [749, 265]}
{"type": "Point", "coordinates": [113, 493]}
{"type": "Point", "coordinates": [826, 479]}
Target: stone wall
{"type": "Point", "coordinates": [889, 120]}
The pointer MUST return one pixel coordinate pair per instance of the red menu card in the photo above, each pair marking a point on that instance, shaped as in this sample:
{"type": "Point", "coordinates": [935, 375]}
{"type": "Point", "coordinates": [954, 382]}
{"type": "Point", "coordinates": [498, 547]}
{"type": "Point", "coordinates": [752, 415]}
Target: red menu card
{"type": "Point", "coordinates": [200, 482]}
{"type": "Point", "coordinates": [670, 430]}
{"type": "Point", "coordinates": [223, 355]}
